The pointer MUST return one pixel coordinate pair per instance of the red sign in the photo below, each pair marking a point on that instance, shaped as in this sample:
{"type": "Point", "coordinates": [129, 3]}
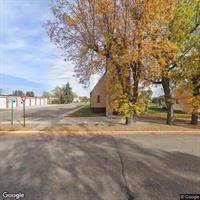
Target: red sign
{"type": "Point", "coordinates": [23, 98]}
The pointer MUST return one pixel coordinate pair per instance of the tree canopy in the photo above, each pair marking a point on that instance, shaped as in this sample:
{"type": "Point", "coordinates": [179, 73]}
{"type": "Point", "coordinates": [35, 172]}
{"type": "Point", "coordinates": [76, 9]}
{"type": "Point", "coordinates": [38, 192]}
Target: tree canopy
{"type": "Point", "coordinates": [137, 42]}
{"type": "Point", "coordinates": [18, 93]}
{"type": "Point", "coordinates": [64, 94]}
{"type": "Point", "coordinates": [30, 94]}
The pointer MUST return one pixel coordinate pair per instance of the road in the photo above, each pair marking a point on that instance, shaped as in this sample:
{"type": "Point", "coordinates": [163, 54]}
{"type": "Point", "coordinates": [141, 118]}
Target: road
{"type": "Point", "coordinates": [50, 114]}
{"type": "Point", "coordinates": [139, 167]}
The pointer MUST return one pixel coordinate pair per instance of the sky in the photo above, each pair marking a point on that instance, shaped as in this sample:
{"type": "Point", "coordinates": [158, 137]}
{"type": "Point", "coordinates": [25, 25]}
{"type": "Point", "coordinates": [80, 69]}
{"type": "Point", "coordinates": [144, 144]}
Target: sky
{"type": "Point", "coordinates": [26, 52]}
{"type": "Point", "coordinates": [28, 60]}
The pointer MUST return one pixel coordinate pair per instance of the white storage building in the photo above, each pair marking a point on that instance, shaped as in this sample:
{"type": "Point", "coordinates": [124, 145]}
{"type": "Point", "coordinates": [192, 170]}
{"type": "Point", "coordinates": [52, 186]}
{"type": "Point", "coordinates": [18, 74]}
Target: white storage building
{"type": "Point", "coordinates": [5, 102]}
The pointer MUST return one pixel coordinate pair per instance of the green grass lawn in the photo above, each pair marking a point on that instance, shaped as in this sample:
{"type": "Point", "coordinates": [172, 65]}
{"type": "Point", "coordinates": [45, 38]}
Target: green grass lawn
{"type": "Point", "coordinates": [84, 112]}
{"type": "Point", "coordinates": [155, 112]}
{"type": "Point", "coordinates": [155, 108]}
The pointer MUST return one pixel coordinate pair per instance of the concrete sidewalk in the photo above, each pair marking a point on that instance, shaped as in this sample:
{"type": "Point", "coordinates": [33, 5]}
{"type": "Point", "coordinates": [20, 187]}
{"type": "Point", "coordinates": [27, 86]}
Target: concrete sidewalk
{"type": "Point", "coordinates": [93, 120]}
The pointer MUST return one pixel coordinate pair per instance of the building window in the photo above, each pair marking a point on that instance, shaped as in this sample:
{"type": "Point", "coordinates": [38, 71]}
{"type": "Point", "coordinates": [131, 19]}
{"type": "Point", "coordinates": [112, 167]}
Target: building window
{"type": "Point", "coordinates": [98, 99]}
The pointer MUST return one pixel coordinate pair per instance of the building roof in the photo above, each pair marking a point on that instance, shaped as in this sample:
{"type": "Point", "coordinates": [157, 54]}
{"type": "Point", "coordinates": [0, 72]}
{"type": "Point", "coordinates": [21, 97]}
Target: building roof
{"type": "Point", "coordinates": [98, 82]}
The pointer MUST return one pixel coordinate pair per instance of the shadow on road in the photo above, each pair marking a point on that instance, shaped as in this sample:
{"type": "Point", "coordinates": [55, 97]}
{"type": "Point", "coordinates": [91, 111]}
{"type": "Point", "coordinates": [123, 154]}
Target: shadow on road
{"type": "Point", "coordinates": [99, 168]}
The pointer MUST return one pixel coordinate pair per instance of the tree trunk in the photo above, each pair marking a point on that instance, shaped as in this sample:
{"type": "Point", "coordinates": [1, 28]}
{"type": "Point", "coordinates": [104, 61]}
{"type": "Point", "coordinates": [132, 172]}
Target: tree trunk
{"type": "Point", "coordinates": [135, 97]}
{"type": "Point", "coordinates": [170, 114]}
{"type": "Point", "coordinates": [194, 118]}
{"type": "Point", "coordinates": [135, 77]}
{"type": "Point", "coordinates": [128, 120]}
{"type": "Point", "coordinates": [195, 93]}
{"type": "Point", "coordinates": [168, 100]}
{"type": "Point", "coordinates": [128, 90]}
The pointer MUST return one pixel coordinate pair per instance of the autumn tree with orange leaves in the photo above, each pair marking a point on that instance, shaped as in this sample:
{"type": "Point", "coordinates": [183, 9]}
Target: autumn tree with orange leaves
{"type": "Point", "coordinates": [128, 38]}
{"type": "Point", "coordinates": [181, 31]}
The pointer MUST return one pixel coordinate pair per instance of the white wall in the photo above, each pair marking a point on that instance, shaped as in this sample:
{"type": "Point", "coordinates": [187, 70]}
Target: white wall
{"type": "Point", "coordinates": [2, 102]}
{"type": "Point", "coordinates": [19, 104]}
{"type": "Point", "coordinates": [43, 102]}
{"type": "Point", "coordinates": [32, 102]}
{"type": "Point", "coordinates": [27, 102]}
{"type": "Point", "coordinates": [38, 101]}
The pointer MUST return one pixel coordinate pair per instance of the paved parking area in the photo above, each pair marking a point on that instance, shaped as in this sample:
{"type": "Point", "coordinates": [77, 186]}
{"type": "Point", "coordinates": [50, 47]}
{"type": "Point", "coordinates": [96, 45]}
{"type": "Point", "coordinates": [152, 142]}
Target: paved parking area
{"type": "Point", "coordinates": [139, 167]}
{"type": "Point", "coordinates": [47, 114]}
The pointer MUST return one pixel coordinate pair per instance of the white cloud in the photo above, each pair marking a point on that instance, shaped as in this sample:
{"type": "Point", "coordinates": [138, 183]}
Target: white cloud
{"type": "Point", "coordinates": [14, 44]}
{"type": "Point", "coordinates": [25, 49]}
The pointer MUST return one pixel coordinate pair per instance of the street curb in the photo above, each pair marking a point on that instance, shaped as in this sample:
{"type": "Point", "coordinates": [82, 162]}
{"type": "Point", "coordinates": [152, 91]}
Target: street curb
{"type": "Point", "coordinates": [93, 133]}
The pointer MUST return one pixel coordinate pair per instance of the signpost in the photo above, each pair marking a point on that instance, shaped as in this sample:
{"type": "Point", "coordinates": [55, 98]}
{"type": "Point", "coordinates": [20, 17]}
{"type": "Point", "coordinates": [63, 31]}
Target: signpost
{"type": "Point", "coordinates": [12, 100]}
{"type": "Point", "coordinates": [23, 100]}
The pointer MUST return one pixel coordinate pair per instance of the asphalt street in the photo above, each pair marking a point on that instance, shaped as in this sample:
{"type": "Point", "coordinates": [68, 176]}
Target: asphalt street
{"type": "Point", "coordinates": [39, 114]}
{"type": "Point", "coordinates": [139, 167]}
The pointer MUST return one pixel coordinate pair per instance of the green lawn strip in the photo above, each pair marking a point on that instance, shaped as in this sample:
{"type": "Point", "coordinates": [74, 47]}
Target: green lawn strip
{"type": "Point", "coordinates": [155, 108]}
{"type": "Point", "coordinates": [155, 111]}
{"type": "Point", "coordinates": [84, 112]}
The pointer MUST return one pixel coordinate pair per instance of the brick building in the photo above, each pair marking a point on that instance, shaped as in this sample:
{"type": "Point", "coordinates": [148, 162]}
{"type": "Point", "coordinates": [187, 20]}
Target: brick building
{"type": "Point", "coordinates": [100, 97]}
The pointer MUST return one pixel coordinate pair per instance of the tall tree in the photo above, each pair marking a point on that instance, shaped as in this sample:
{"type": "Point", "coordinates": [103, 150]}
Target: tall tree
{"type": "Point", "coordinates": [18, 93]}
{"type": "Point", "coordinates": [191, 79]}
{"type": "Point", "coordinates": [67, 95]}
{"type": "Point", "coordinates": [30, 94]}
{"type": "Point", "coordinates": [110, 35]}
{"type": "Point", "coordinates": [179, 31]}
{"type": "Point", "coordinates": [57, 91]}
{"type": "Point", "coordinates": [46, 94]}
{"type": "Point", "coordinates": [64, 94]}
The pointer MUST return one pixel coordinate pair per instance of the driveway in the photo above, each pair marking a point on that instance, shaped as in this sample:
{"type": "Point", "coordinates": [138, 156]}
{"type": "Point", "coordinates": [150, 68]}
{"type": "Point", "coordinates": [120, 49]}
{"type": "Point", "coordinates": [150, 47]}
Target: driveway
{"type": "Point", "coordinates": [139, 167]}
{"type": "Point", "coordinates": [50, 114]}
